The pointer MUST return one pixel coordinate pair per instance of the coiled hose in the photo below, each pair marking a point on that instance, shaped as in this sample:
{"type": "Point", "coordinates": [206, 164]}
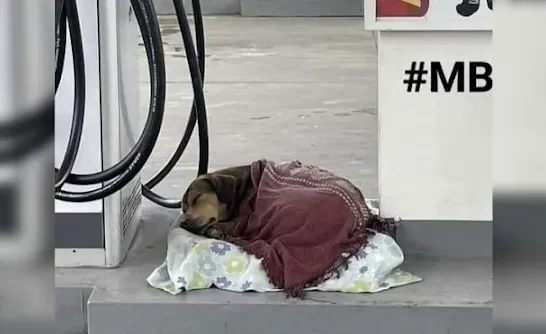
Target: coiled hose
{"type": "Point", "coordinates": [116, 177]}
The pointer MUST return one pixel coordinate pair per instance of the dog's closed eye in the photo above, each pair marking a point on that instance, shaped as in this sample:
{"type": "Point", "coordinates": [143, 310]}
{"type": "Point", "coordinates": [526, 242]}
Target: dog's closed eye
{"type": "Point", "coordinates": [195, 199]}
{"type": "Point", "coordinates": [191, 197]}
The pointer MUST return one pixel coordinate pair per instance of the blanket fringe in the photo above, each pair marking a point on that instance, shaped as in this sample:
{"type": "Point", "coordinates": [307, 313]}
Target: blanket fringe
{"type": "Point", "coordinates": [296, 291]}
{"type": "Point", "coordinates": [276, 279]}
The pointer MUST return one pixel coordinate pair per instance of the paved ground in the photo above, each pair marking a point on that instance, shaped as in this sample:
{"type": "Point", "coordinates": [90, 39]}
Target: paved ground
{"type": "Point", "coordinates": [279, 88]}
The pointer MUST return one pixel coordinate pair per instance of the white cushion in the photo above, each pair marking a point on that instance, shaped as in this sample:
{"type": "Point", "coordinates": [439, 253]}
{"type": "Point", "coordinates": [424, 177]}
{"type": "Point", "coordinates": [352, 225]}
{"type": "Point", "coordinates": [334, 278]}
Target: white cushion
{"type": "Point", "coordinates": [194, 262]}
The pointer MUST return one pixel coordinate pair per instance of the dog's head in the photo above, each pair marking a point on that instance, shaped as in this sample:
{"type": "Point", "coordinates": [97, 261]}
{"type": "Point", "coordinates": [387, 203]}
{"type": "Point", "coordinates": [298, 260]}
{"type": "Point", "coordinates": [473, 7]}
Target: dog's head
{"type": "Point", "coordinates": [208, 200]}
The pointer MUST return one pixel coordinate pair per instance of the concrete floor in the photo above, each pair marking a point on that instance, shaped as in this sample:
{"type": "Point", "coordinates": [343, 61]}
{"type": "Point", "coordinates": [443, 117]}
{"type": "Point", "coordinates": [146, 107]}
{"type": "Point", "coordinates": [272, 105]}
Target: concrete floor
{"type": "Point", "coordinates": [282, 89]}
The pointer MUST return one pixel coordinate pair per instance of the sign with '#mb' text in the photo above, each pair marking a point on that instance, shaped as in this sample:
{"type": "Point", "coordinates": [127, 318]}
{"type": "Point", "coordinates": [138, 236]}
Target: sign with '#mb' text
{"type": "Point", "coordinates": [435, 15]}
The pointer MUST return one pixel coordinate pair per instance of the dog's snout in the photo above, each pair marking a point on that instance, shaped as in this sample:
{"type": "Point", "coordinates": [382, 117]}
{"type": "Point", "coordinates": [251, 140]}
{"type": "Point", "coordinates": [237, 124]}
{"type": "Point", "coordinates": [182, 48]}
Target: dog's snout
{"type": "Point", "coordinates": [189, 226]}
{"type": "Point", "coordinates": [196, 225]}
{"type": "Point", "coordinates": [187, 223]}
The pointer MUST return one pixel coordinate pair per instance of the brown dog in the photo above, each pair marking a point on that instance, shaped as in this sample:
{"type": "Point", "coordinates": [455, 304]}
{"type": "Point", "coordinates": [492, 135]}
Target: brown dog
{"type": "Point", "coordinates": [215, 197]}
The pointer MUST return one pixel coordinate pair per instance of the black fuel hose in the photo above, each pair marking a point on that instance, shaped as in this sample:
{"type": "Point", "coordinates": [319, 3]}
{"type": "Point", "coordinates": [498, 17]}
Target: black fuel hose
{"type": "Point", "coordinates": [123, 172]}
{"type": "Point", "coordinates": [70, 12]}
{"type": "Point", "coordinates": [60, 42]}
{"type": "Point", "coordinates": [200, 38]}
{"type": "Point", "coordinates": [195, 115]}
{"type": "Point", "coordinates": [151, 36]}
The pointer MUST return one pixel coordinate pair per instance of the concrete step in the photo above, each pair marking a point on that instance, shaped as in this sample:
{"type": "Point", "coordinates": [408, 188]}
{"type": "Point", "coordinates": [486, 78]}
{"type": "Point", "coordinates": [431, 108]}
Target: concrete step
{"type": "Point", "coordinates": [454, 297]}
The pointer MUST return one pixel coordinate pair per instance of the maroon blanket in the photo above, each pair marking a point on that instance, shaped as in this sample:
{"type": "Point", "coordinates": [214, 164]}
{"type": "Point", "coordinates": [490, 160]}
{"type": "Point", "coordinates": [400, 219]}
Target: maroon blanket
{"type": "Point", "coordinates": [303, 221]}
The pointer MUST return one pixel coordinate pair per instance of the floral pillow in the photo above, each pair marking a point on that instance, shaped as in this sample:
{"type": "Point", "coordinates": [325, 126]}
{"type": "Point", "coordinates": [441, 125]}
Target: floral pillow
{"type": "Point", "coordinates": [194, 262]}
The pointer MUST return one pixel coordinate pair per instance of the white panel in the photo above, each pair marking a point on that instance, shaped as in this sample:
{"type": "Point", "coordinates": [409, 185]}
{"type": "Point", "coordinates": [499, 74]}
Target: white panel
{"type": "Point", "coordinates": [121, 123]}
{"type": "Point", "coordinates": [113, 107]}
{"type": "Point", "coordinates": [130, 123]}
{"type": "Point", "coordinates": [89, 157]}
{"type": "Point", "coordinates": [434, 148]}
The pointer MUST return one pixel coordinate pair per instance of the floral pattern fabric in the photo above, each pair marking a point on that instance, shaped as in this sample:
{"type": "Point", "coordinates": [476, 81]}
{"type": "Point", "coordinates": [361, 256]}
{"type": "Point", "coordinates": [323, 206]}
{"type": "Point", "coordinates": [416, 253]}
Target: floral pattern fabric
{"type": "Point", "coordinates": [194, 263]}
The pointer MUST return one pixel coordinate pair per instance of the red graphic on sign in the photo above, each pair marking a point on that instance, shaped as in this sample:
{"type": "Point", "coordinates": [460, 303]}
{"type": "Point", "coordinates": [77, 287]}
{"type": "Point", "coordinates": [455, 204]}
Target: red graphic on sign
{"type": "Point", "coordinates": [401, 8]}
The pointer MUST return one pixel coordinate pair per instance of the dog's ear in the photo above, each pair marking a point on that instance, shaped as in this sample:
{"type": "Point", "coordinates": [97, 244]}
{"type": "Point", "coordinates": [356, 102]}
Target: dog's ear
{"type": "Point", "coordinates": [225, 187]}
{"type": "Point", "coordinates": [185, 202]}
